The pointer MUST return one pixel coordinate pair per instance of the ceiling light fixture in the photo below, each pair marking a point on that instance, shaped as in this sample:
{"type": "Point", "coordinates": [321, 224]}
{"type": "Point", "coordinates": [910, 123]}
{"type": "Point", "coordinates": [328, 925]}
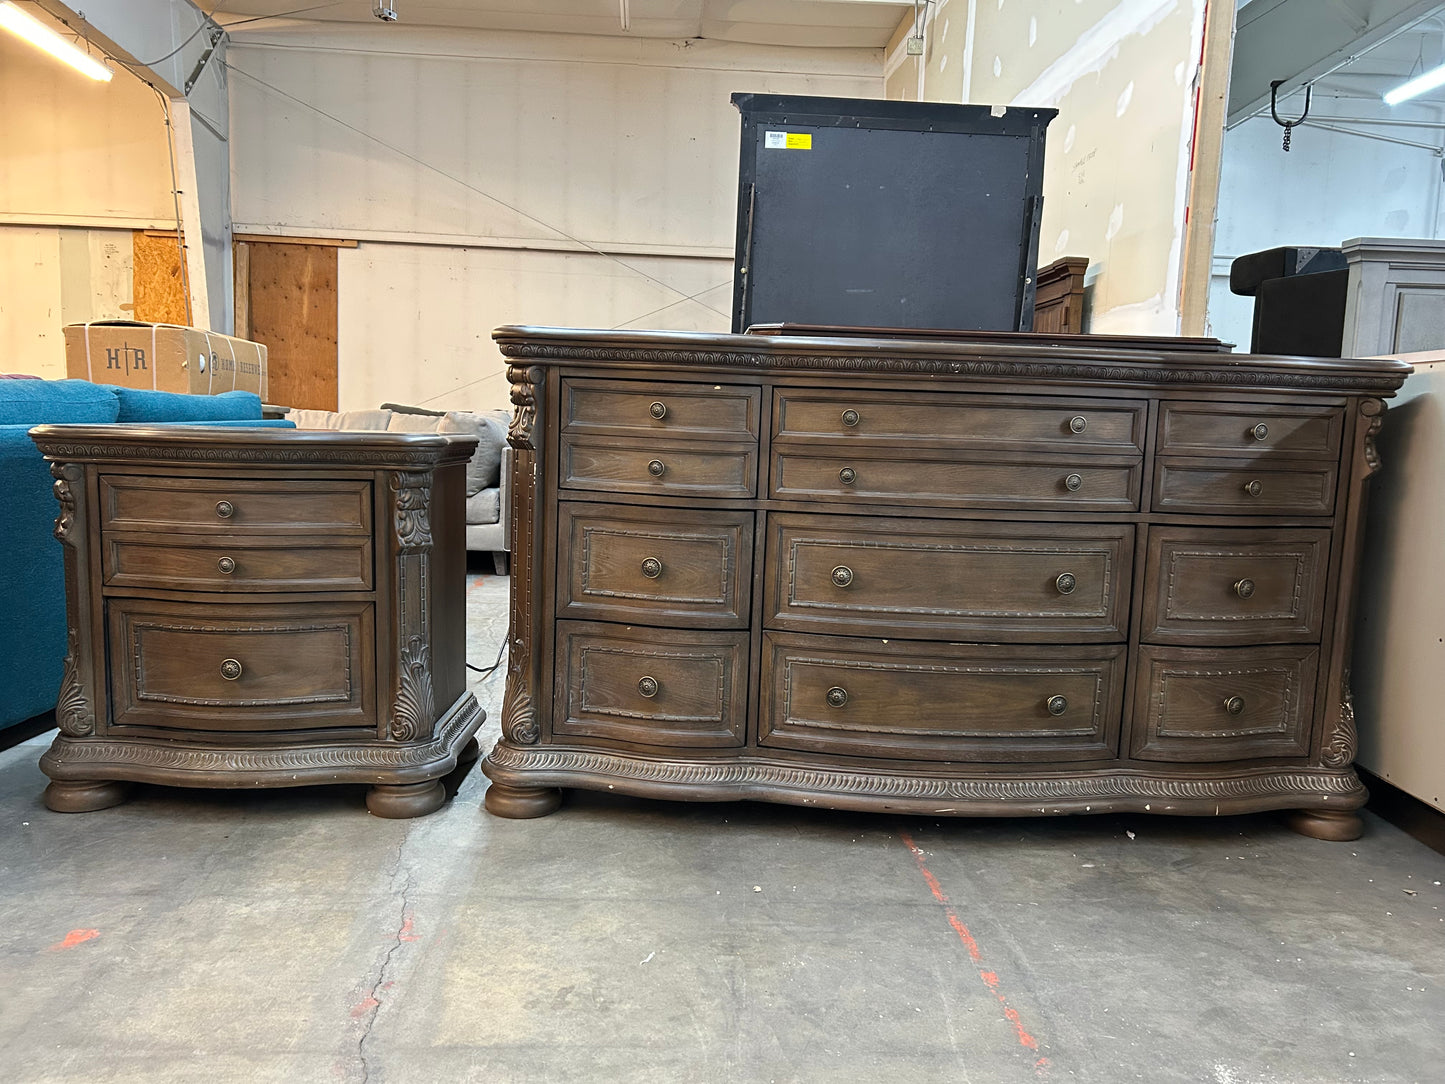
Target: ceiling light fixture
{"type": "Point", "coordinates": [1421, 84]}
{"type": "Point", "coordinates": [42, 37]}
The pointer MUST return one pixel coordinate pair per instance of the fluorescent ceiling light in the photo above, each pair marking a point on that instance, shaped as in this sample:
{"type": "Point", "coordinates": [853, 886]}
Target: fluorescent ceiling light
{"type": "Point", "coordinates": [1431, 79]}
{"type": "Point", "coordinates": [42, 37]}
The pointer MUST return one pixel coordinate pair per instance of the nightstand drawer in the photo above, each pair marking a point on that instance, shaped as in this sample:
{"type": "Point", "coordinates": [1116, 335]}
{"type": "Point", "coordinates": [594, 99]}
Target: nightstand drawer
{"type": "Point", "coordinates": [203, 563]}
{"type": "Point", "coordinates": [1226, 429]}
{"type": "Point", "coordinates": [233, 505]}
{"type": "Point", "coordinates": [614, 465]}
{"type": "Point", "coordinates": [1228, 488]}
{"type": "Point", "coordinates": [655, 566]}
{"type": "Point", "coordinates": [620, 407]}
{"type": "Point", "coordinates": [282, 667]}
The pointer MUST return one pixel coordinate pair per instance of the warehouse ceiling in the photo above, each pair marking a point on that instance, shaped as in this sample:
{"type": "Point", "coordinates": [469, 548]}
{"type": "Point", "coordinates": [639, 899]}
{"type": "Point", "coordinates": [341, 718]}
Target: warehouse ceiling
{"type": "Point", "coordinates": [865, 24]}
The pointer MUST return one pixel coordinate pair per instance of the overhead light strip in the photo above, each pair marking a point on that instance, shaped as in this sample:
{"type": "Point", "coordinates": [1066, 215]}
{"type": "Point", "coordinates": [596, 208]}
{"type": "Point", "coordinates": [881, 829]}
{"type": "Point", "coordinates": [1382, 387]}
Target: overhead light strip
{"type": "Point", "coordinates": [42, 37]}
{"type": "Point", "coordinates": [1421, 84]}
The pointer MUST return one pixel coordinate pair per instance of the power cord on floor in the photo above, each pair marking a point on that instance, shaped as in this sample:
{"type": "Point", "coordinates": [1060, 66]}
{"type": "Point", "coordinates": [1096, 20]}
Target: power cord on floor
{"type": "Point", "coordinates": [490, 669]}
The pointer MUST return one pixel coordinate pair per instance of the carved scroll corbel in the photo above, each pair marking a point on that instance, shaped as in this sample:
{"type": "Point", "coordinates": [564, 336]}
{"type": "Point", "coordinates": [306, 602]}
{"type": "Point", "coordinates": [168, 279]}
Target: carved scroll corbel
{"type": "Point", "coordinates": [67, 476]}
{"type": "Point", "coordinates": [1372, 414]}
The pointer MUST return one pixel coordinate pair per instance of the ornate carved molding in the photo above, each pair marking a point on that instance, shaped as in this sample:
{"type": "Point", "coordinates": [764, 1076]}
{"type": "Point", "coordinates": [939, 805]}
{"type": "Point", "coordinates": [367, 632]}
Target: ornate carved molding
{"type": "Point", "coordinates": [1372, 417]}
{"type": "Point", "coordinates": [1339, 749]}
{"type": "Point", "coordinates": [415, 707]}
{"type": "Point", "coordinates": [519, 716]}
{"type": "Point", "coordinates": [73, 713]}
{"type": "Point", "coordinates": [66, 475]}
{"type": "Point", "coordinates": [526, 397]}
{"type": "Point", "coordinates": [413, 510]}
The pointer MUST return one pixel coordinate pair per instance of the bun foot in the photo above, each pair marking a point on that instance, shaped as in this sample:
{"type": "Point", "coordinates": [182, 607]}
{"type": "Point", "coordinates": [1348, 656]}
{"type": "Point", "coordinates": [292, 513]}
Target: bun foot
{"type": "Point", "coordinates": [65, 796]}
{"type": "Point", "coordinates": [466, 760]}
{"type": "Point", "coordinates": [399, 801]}
{"type": "Point", "coordinates": [521, 803]}
{"type": "Point", "coordinates": [1336, 826]}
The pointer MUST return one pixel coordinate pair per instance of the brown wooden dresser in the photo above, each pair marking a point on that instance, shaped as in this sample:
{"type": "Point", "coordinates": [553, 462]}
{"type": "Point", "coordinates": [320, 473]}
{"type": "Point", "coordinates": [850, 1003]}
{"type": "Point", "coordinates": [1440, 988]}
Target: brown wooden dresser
{"type": "Point", "coordinates": [1020, 575]}
{"type": "Point", "coordinates": [260, 608]}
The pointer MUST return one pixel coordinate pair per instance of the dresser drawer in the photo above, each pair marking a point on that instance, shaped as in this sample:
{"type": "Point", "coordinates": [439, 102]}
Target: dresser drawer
{"type": "Point", "coordinates": [627, 408]}
{"type": "Point", "coordinates": [1082, 483]}
{"type": "Point", "coordinates": [1226, 429]}
{"type": "Point", "coordinates": [963, 579]}
{"type": "Point", "coordinates": [920, 701]}
{"type": "Point", "coordinates": [654, 565]}
{"type": "Point", "coordinates": [1234, 585]}
{"type": "Point", "coordinates": [632, 685]}
{"type": "Point", "coordinates": [284, 667]}
{"type": "Point", "coordinates": [993, 422]}
{"type": "Point", "coordinates": [239, 505]}
{"type": "Point", "coordinates": [1229, 488]}
{"type": "Point", "coordinates": [651, 466]}
{"type": "Point", "coordinates": [206, 563]}
{"type": "Point", "coordinates": [1232, 704]}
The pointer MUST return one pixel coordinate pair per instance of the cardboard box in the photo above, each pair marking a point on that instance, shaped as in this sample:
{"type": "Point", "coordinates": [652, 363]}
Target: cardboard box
{"type": "Point", "coordinates": [164, 357]}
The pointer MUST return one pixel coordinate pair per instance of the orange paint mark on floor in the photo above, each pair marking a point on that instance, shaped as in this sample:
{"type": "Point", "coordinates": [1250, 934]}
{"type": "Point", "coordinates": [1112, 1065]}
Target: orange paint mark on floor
{"type": "Point", "coordinates": [75, 937]}
{"type": "Point", "coordinates": [364, 1006]}
{"type": "Point", "coordinates": [405, 934]}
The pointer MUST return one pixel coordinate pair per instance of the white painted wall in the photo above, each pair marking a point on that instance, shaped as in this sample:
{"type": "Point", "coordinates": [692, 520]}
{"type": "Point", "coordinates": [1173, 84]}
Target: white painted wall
{"type": "Point", "coordinates": [503, 178]}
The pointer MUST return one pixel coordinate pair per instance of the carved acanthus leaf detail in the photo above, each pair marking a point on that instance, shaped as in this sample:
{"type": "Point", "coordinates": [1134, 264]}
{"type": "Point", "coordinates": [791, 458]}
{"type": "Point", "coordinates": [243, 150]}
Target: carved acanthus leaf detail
{"type": "Point", "coordinates": [72, 709]}
{"type": "Point", "coordinates": [413, 513]}
{"type": "Point", "coordinates": [526, 394]}
{"type": "Point", "coordinates": [1340, 749]}
{"type": "Point", "coordinates": [415, 708]}
{"type": "Point", "coordinates": [519, 717]}
{"type": "Point", "coordinates": [66, 475]}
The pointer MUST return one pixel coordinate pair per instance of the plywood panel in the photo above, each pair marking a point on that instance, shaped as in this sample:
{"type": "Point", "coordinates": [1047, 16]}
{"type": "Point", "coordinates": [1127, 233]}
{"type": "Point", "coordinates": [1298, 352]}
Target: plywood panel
{"type": "Point", "coordinates": [293, 307]}
{"type": "Point", "coordinates": [160, 287]}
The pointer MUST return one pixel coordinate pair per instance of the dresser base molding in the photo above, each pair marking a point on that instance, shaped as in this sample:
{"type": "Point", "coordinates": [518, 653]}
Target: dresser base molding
{"type": "Point", "coordinates": [526, 774]}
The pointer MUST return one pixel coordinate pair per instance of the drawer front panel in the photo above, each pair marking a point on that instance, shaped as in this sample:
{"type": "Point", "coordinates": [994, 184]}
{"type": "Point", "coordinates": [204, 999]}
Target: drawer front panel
{"type": "Point", "coordinates": [1195, 705]}
{"type": "Point", "coordinates": [679, 689]}
{"type": "Point", "coordinates": [703, 411]}
{"type": "Point", "coordinates": [1224, 488]}
{"type": "Point", "coordinates": [654, 565]}
{"type": "Point", "coordinates": [1239, 586]}
{"type": "Point", "coordinates": [991, 422]}
{"type": "Point", "coordinates": [918, 701]}
{"type": "Point", "coordinates": [619, 466]}
{"type": "Point", "coordinates": [245, 668]}
{"type": "Point", "coordinates": [241, 505]}
{"type": "Point", "coordinates": [966, 580]}
{"type": "Point", "coordinates": [204, 563]}
{"type": "Point", "coordinates": [1088, 484]}
{"type": "Point", "coordinates": [1217, 429]}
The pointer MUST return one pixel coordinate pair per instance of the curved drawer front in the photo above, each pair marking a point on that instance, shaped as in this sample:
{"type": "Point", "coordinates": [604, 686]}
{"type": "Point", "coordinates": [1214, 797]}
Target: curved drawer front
{"type": "Point", "coordinates": [920, 701]}
{"type": "Point", "coordinates": [623, 407]}
{"type": "Point", "coordinates": [966, 580]}
{"type": "Point", "coordinates": [233, 505]}
{"type": "Point", "coordinates": [1226, 488]}
{"type": "Point", "coordinates": [205, 563]}
{"type": "Point", "coordinates": [654, 564]}
{"type": "Point", "coordinates": [244, 667]}
{"type": "Point", "coordinates": [992, 422]}
{"type": "Point", "coordinates": [1082, 483]}
{"type": "Point", "coordinates": [1219, 429]}
{"type": "Point", "coordinates": [1233, 704]}
{"type": "Point", "coordinates": [610, 465]}
{"type": "Point", "coordinates": [1241, 586]}
{"type": "Point", "coordinates": [688, 689]}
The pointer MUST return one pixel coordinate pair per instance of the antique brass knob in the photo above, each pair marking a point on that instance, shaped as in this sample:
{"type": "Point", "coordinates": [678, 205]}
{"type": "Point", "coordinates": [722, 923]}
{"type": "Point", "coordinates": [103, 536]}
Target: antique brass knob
{"type": "Point", "coordinates": [658, 410]}
{"type": "Point", "coordinates": [1244, 588]}
{"type": "Point", "coordinates": [648, 687]}
{"type": "Point", "coordinates": [1073, 483]}
{"type": "Point", "coordinates": [837, 697]}
{"type": "Point", "coordinates": [1254, 488]}
{"type": "Point", "coordinates": [842, 575]}
{"type": "Point", "coordinates": [1234, 705]}
{"type": "Point", "coordinates": [226, 565]}
{"type": "Point", "coordinates": [1260, 431]}
{"type": "Point", "coordinates": [850, 418]}
{"type": "Point", "coordinates": [656, 468]}
{"type": "Point", "coordinates": [225, 509]}
{"type": "Point", "coordinates": [1078, 423]}
{"type": "Point", "coordinates": [651, 567]}
{"type": "Point", "coordinates": [1057, 705]}
{"type": "Point", "coordinates": [847, 476]}
{"type": "Point", "coordinates": [230, 669]}
{"type": "Point", "coordinates": [1066, 583]}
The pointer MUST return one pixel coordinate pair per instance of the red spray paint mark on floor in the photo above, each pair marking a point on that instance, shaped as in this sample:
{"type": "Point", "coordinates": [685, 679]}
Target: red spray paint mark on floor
{"type": "Point", "coordinates": [990, 978]}
{"type": "Point", "coordinates": [364, 1006]}
{"type": "Point", "coordinates": [75, 937]}
{"type": "Point", "coordinates": [405, 933]}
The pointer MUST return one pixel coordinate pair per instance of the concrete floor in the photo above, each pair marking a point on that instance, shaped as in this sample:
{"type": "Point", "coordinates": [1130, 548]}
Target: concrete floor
{"type": "Point", "coordinates": [288, 936]}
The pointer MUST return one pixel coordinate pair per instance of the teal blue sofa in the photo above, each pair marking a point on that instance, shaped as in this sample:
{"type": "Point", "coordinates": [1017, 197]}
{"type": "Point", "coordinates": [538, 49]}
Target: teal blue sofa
{"type": "Point", "coordinates": [32, 569]}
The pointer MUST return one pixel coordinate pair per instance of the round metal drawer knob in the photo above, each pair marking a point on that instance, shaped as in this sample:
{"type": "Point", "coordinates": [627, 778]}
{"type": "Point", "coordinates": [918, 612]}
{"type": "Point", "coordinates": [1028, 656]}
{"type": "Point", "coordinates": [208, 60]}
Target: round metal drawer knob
{"type": "Point", "coordinates": [1254, 488]}
{"type": "Point", "coordinates": [230, 669]}
{"type": "Point", "coordinates": [656, 468]}
{"type": "Point", "coordinates": [842, 575]}
{"type": "Point", "coordinates": [847, 476]}
{"type": "Point", "coordinates": [651, 567]}
{"type": "Point", "coordinates": [850, 418]}
{"type": "Point", "coordinates": [1057, 705]}
{"type": "Point", "coordinates": [658, 410]}
{"type": "Point", "coordinates": [226, 565]}
{"type": "Point", "coordinates": [1244, 588]}
{"type": "Point", "coordinates": [1073, 483]}
{"type": "Point", "coordinates": [225, 509]}
{"type": "Point", "coordinates": [1260, 431]}
{"type": "Point", "coordinates": [648, 687]}
{"type": "Point", "coordinates": [837, 697]}
{"type": "Point", "coordinates": [1078, 423]}
{"type": "Point", "coordinates": [1234, 705]}
{"type": "Point", "coordinates": [1066, 583]}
